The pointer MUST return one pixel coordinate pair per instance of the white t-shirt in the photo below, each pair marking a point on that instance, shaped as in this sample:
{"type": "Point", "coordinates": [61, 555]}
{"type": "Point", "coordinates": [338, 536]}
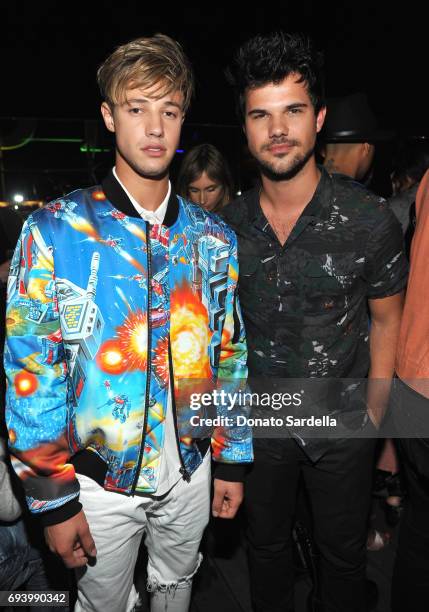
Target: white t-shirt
{"type": "Point", "coordinates": [170, 463]}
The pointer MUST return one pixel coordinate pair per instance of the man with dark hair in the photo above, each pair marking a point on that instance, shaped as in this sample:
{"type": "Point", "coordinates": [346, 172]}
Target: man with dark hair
{"type": "Point", "coordinates": [314, 249]}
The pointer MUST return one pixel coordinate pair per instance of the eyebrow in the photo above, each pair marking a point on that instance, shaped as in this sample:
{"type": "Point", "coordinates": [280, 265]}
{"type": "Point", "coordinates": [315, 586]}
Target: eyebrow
{"type": "Point", "coordinates": [287, 107]}
{"type": "Point", "coordinates": [143, 100]}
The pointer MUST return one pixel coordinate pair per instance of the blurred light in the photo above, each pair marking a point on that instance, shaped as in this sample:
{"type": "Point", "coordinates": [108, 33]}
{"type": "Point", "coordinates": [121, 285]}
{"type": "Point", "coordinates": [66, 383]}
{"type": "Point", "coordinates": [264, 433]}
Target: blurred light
{"type": "Point", "coordinates": [18, 198]}
{"type": "Point", "coordinates": [86, 149]}
{"type": "Point", "coordinates": [180, 150]}
{"type": "Point", "coordinates": [239, 193]}
{"type": "Point", "coordinates": [16, 207]}
{"type": "Point", "coordinates": [98, 195]}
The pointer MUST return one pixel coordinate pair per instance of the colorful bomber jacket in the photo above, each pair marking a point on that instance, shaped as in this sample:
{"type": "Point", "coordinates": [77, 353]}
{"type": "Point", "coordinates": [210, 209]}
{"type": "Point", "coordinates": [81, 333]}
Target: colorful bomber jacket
{"type": "Point", "coordinates": [103, 310]}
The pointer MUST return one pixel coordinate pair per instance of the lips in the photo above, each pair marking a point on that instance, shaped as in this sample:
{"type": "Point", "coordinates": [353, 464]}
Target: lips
{"type": "Point", "coordinates": [278, 149]}
{"type": "Point", "coordinates": [154, 150]}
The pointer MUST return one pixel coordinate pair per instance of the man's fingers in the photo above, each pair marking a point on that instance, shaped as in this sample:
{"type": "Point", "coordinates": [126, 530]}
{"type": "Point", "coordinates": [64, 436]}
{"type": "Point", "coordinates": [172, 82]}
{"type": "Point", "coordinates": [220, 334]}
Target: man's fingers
{"type": "Point", "coordinates": [70, 559]}
{"type": "Point", "coordinates": [224, 513]}
{"type": "Point", "coordinates": [217, 503]}
{"type": "Point", "coordinates": [227, 498]}
{"type": "Point", "coordinates": [229, 508]}
{"type": "Point", "coordinates": [87, 542]}
{"type": "Point", "coordinates": [233, 506]}
{"type": "Point", "coordinates": [73, 557]}
{"type": "Point", "coordinates": [73, 562]}
{"type": "Point", "coordinates": [79, 553]}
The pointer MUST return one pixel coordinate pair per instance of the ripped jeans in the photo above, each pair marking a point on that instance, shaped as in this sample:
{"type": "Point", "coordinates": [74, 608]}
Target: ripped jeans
{"type": "Point", "coordinates": [173, 526]}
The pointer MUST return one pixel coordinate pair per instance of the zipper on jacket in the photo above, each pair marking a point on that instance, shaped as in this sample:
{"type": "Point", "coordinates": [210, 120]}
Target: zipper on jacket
{"type": "Point", "coordinates": [148, 356]}
{"type": "Point", "coordinates": [185, 474]}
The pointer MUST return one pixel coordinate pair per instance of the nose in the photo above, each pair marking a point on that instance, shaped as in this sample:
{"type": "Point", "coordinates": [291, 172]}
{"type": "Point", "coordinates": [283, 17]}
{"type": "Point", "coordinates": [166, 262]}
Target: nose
{"type": "Point", "coordinates": [154, 125]}
{"type": "Point", "coordinates": [278, 126]}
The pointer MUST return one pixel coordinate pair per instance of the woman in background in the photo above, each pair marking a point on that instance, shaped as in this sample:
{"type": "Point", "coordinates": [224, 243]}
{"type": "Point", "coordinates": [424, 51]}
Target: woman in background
{"type": "Point", "coordinates": [205, 179]}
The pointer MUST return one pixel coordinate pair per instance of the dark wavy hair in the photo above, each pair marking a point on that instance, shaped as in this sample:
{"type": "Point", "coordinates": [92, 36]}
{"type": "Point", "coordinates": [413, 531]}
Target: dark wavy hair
{"type": "Point", "coordinates": [205, 158]}
{"type": "Point", "coordinates": [271, 59]}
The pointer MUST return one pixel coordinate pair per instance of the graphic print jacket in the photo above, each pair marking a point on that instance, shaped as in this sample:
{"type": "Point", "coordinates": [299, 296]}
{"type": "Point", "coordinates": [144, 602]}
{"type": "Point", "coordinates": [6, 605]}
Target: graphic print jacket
{"type": "Point", "coordinates": [103, 310]}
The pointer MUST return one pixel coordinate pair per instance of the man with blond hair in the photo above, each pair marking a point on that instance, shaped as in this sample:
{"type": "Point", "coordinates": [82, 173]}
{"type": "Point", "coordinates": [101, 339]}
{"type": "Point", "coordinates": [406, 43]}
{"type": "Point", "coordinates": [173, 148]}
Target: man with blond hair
{"type": "Point", "coordinates": [116, 292]}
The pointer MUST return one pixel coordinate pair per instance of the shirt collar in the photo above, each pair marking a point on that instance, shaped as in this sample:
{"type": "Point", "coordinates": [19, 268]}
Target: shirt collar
{"type": "Point", "coordinates": [318, 207]}
{"type": "Point", "coordinates": [117, 198]}
{"type": "Point", "coordinates": [154, 217]}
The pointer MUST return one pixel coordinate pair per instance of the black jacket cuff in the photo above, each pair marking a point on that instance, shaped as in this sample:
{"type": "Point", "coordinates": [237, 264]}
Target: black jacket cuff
{"type": "Point", "coordinates": [231, 472]}
{"type": "Point", "coordinates": [61, 514]}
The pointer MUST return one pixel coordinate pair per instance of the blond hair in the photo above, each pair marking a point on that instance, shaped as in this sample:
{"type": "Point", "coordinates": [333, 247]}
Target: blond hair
{"type": "Point", "coordinates": [157, 61]}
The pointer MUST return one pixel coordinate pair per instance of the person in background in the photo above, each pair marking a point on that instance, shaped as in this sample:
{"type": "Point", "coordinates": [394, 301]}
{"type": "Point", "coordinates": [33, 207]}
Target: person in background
{"type": "Point", "coordinates": [409, 165]}
{"type": "Point", "coordinates": [10, 228]}
{"type": "Point", "coordinates": [21, 565]}
{"type": "Point", "coordinates": [205, 179]}
{"type": "Point", "coordinates": [350, 133]}
{"type": "Point", "coordinates": [410, 411]}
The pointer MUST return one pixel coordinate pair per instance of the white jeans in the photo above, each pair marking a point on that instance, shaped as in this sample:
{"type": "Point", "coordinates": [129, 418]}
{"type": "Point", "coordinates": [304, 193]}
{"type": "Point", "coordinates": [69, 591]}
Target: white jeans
{"type": "Point", "coordinates": [173, 525]}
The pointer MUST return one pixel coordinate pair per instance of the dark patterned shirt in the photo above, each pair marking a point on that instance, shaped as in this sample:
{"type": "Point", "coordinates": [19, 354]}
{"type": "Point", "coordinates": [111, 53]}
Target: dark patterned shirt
{"type": "Point", "coordinates": [305, 303]}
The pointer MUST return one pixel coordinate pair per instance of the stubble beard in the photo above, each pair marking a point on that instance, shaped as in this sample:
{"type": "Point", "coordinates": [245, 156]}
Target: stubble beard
{"type": "Point", "coordinates": [274, 174]}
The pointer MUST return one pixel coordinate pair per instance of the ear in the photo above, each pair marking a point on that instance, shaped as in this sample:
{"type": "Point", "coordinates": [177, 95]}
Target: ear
{"type": "Point", "coordinates": [107, 113]}
{"type": "Point", "coordinates": [367, 148]}
{"type": "Point", "coordinates": [320, 118]}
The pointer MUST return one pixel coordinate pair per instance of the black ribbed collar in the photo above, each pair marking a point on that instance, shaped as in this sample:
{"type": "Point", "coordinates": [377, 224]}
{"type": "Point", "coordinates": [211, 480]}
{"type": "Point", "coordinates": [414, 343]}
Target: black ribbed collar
{"type": "Point", "coordinates": [115, 193]}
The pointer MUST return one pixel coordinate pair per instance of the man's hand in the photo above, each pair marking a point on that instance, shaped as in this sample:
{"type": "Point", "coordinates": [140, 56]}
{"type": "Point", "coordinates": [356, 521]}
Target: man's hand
{"type": "Point", "coordinates": [227, 498]}
{"type": "Point", "coordinates": [71, 540]}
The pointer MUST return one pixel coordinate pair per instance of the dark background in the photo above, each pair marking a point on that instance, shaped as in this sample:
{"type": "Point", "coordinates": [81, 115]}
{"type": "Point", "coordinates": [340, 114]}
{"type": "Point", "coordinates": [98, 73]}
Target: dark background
{"type": "Point", "coordinates": [50, 52]}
